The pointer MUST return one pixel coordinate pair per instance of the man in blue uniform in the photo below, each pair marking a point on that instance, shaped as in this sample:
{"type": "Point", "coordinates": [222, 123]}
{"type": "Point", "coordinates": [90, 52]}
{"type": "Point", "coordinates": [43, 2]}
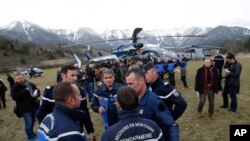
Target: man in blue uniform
{"type": "Point", "coordinates": [218, 63]}
{"type": "Point", "coordinates": [151, 106]}
{"type": "Point", "coordinates": [105, 97]}
{"type": "Point", "coordinates": [183, 66]}
{"type": "Point", "coordinates": [171, 65]}
{"type": "Point", "coordinates": [130, 125]}
{"type": "Point", "coordinates": [171, 97]}
{"type": "Point", "coordinates": [68, 74]}
{"type": "Point", "coordinates": [64, 122]}
{"type": "Point", "coordinates": [232, 82]}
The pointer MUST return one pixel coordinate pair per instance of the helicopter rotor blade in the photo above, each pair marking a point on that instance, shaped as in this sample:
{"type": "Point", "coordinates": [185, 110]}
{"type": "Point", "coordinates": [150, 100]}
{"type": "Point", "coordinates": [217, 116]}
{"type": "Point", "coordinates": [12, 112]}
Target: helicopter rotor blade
{"type": "Point", "coordinates": [201, 46]}
{"type": "Point", "coordinates": [134, 38]}
{"type": "Point", "coordinates": [173, 36]}
{"type": "Point", "coordinates": [95, 42]}
{"type": "Point", "coordinates": [135, 33]}
{"type": "Point", "coordinates": [209, 47]}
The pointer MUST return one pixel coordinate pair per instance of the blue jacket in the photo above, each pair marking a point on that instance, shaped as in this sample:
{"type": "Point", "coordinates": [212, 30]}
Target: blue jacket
{"type": "Point", "coordinates": [152, 107]}
{"type": "Point", "coordinates": [159, 68]}
{"type": "Point", "coordinates": [104, 97]}
{"type": "Point", "coordinates": [171, 97]}
{"type": "Point", "coordinates": [132, 127]}
{"type": "Point", "coordinates": [183, 63]}
{"type": "Point", "coordinates": [48, 103]}
{"type": "Point", "coordinates": [62, 125]}
{"type": "Point", "coordinates": [171, 67]}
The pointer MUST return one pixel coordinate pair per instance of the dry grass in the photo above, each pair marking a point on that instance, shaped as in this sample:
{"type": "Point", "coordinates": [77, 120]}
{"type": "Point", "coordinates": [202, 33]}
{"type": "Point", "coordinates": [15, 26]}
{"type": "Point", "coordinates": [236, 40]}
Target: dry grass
{"type": "Point", "coordinates": [191, 128]}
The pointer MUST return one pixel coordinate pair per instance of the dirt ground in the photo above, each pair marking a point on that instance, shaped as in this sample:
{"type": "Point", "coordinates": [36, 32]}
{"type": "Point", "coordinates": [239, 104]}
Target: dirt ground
{"type": "Point", "coordinates": [10, 124]}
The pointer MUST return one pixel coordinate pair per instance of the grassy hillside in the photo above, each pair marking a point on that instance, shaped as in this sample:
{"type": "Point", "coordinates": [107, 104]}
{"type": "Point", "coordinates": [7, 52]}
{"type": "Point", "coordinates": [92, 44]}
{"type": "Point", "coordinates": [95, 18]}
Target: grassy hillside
{"type": "Point", "coordinates": [191, 128]}
{"type": "Point", "coordinates": [16, 54]}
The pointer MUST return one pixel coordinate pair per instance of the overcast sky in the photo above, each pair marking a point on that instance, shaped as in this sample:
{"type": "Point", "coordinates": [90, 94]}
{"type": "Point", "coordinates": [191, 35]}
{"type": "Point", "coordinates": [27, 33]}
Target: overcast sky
{"type": "Point", "coordinates": [125, 14]}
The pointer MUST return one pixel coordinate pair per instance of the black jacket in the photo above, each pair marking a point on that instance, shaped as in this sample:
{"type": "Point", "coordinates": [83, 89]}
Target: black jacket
{"type": "Point", "coordinates": [200, 80]}
{"type": "Point", "coordinates": [218, 61]}
{"type": "Point", "coordinates": [24, 101]}
{"type": "Point", "coordinates": [233, 78]}
{"type": "Point", "coordinates": [3, 88]}
{"type": "Point", "coordinates": [11, 81]}
{"type": "Point", "coordinates": [90, 74]}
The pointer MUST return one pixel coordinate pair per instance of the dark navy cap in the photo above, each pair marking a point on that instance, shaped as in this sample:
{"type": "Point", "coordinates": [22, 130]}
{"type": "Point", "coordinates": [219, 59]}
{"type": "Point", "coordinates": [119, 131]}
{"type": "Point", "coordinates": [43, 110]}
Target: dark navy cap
{"type": "Point", "coordinates": [148, 66]}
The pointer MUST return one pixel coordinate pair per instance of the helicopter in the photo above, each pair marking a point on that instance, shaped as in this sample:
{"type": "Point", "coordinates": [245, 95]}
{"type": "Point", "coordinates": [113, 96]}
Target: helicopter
{"type": "Point", "coordinates": [196, 52]}
{"type": "Point", "coordinates": [33, 71]}
{"type": "Point", "coordinates": [147, 51]}
{"type": "Point", "coordinates": [100, 58]}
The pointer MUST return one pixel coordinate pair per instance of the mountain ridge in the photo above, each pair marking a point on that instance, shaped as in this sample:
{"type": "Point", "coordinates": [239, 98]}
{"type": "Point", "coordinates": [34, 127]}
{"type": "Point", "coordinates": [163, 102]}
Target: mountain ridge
{"type": "Point", "coordinates": [29, 32]}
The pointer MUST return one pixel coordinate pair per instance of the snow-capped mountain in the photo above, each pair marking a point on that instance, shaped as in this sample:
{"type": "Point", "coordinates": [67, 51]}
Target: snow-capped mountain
{"type": "Point", "coordinates": [220, 34]}
{"type": "Point", "coordinates": [156, 36]}
{"type": "Point", "coordinates": [29, 32]}
{"type": "Point", "coordinates": [74, 35]}
{"type": "Point", "coordinates": [236, 22]}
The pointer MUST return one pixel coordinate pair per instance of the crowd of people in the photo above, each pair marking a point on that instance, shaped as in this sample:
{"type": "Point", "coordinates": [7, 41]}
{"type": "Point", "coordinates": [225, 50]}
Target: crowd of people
{"type": "Point", "coordinates": [136, 100]}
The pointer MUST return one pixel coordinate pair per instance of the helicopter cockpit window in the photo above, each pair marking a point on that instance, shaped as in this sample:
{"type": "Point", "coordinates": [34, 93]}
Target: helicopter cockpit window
{"type": "Point", "coordinates": [190, 51]}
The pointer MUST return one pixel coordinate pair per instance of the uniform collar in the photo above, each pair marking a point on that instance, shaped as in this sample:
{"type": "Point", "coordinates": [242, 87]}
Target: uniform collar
{"type": "Point", "coordinates": [124, 114]}
{"type": "Point", "coordinates": [104, 88]}
{"type": "Point", "coordinates": [154, 84]}
{"type": "Point", "coordinates": [72, 113]}
{"type": "Point", "coordinates": [143, 99]}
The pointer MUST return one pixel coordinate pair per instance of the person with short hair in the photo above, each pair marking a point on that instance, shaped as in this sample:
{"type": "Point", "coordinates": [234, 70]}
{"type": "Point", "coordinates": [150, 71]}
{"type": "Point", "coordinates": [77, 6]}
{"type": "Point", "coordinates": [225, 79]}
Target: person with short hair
{"type": "Point", "coordinates": [233, 70]}
{"type": "Point", "coordinates": [183, 65]}
{"type": "Point", "coordinates": [68, 74]}
{"type": "Point", "coordinates": [136, 128]}
{"type": "Point", "coordinates": [25, 94]}
{"type": "Point", "coordinates": [90, 77]}
{"type": "Point", "coordinates": [58, 75]}
{"type": "Point", "coordinates": [117, 71]}
{"type": "Point", "coordinates": [3, 89]}
{"type": "Point", "coordinates": [151, 106]}
{"type": "Point", "coordinates": [64, 122]}
{"type": "Point", "coordinates": [207, 83]}
{"type": "Point", "coordinates": [169, 94]}
{"type": "Point", "coordinates": [98, 71]}
{"type": "Point", "coordinates": [218, 63]}
{"type": "Point", "coordinates": [171, 65]}
{"type": "Point", "coordinates": [105, 97]}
